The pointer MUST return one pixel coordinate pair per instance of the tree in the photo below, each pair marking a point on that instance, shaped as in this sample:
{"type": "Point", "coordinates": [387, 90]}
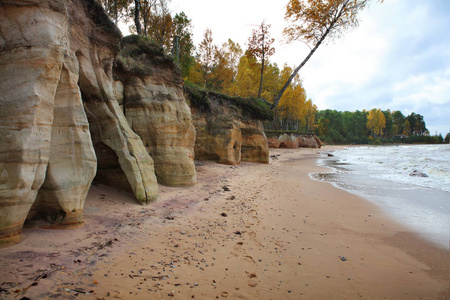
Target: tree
{"type": "Point", "coordinates": [322, 126]}
{"type": "Point", "coordinates": [147, 8]}
{"type": "Point", "coordinates": [161, 25]}
{"type": "Point", "coordinates": [206, 54]}
{"type": "Point", "coordinates": [293, 108]}
{"type": "Point", "coordinates": [152, 19]}
{"type": "Point", "coordinates": [137, 16]}
{"type": "Point", "coordinates": [417, 125]}
{"type": "Point", "coordinates": [232, 52]}
{"type": "Point", "coordinates": [389, 129]}
{"type": "Point", "coordinates": [311, 116]}
{"type": "Point", "coordinates": [311, 21]}
{"type": "Point", "coordinates": [260, 45]}
{"type": "Point", "coordinates": [246, 78]}
{"type": "Point", "coordinates": [116, 9]}
{"type": "Point", "coordinates": [222, 72]}
{"type": "Point", "coordinates": [398, 120]}
{"type": "Point", "coordinates": [376, 121]}
{"type": "Point", "coordinates": [407, 128]}
{"type": "Point", "coordinates": [184, 47]}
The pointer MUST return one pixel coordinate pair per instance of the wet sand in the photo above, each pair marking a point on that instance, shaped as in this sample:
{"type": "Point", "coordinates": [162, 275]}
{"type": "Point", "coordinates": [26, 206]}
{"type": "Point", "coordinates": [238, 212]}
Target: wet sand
{"type": "Point", "coordinates": [243, 232]}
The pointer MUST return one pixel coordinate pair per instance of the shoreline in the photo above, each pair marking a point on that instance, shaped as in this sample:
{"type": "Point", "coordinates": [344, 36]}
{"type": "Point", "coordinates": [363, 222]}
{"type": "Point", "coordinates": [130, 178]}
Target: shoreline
{"type": "Point", "coordinates": [249, 232]}
{"type": "Point", "coordinates": [420, 206]}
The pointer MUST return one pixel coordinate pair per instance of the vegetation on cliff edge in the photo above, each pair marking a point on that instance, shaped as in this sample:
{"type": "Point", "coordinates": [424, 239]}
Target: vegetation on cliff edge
{"type": "Point", "coordinates": [140, 54]}
{"type": "Point", "coordinates": [252, 108]}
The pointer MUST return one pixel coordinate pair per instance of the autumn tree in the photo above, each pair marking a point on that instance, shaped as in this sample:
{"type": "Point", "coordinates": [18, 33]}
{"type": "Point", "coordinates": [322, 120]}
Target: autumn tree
{"type": "Point", "coordinates": [116, 9]}
{"type": "Point", "coordinates": [311, 21]}
{"type": "Point", "coordinates": [271, 84]}
{"type": "Point", "coordinates": [322, 126]}
{"type": "Point", "coordinates": [206, 54]}
{"type": "Point", "coordinates": [247, 77]}
{"type": "Point", "coordinates": [294, 111]}
{"type": "Point", "coordinates": [376, 121]}
{"type": "Point", "coordinates": [232, 52]}
{"type": "Point", "coordinates": [311, 110]}
{"type": "Point", "coordinates": [222, 73]}
{"type": "Point", "coordinates": [152, 18]}
{"type": "Point", "coordinates": [161, 25]}
{"type": "Point", "coordinates": [146, 13]}
{"type": "Point", "coordinates": [260, 45]}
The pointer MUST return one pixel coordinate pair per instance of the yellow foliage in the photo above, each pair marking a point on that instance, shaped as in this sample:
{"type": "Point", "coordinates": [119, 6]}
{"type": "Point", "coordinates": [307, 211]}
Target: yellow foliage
{"type": "Point", "coordinates": [196, 75]}
{"type": "Point", "coordinates": [247, 79]}
{"type": "Point", "coordinates": [376, 121]}
{"type": "Point", "coordinates": [293, 104]}
{"type": "Point", "coordinates": [310, 20]}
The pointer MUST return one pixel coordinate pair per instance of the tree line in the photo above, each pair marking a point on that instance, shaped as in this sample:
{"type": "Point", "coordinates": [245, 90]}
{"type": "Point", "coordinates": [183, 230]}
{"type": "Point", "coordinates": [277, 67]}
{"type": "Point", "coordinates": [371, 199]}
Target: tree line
{"type": "Point", "coordinates": [374, 126]}
{"type": "Point", "coordinates": [248, 72]}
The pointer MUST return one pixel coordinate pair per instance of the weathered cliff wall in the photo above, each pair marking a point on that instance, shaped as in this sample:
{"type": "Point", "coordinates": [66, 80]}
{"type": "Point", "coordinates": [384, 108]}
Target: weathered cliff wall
{"type": "Point", "coordinates": [64, 119]}
{"type": "Point", "coordinates": [123, 161]}
{"type": "Point", "coordinates": [38, 80]}
{"type": "Point", "coordinates": [55, 80]}
{"type": "Point", "coordinates": [229, 130]}
{"type": "Point", "coordinates": [151, 89]}
{"type": "Point", "coordinates": [293, 140]}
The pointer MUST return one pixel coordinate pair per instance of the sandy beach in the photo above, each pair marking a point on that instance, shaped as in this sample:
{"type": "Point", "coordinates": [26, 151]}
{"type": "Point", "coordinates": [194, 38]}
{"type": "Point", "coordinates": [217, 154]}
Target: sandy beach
{"type": "Point", "coordinates": [251, 231]}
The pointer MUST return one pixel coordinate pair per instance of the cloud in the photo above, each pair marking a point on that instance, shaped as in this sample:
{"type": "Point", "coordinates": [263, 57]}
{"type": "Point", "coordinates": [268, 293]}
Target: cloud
{"type": "Point", "coordinates": [399, 58]}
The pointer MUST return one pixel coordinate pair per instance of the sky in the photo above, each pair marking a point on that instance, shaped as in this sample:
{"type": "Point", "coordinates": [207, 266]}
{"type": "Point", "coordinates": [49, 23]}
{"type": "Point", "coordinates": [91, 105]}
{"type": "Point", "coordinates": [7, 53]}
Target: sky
{"type": "Point", "coordinates": [397, 59]}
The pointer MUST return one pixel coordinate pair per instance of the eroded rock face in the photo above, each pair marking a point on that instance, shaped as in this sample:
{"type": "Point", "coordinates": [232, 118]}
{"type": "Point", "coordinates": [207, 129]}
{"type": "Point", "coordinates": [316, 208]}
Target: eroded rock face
{"type": "Point", "coordinates": [223, 133]}
{"type": "Point", "coordinates": [217, 140]}
{"type": "Point", "coordinates": [292, 141]}
{"type": "Point", "coordinates": [53, 55]}
{"type": "Point", "coordinates": [123, 161]}
{"type": "Point", "coordinates": [155, 107]}
{"type": "Point", "coordinates": [255, 147]}
{"type": "Point", "coordinates": [45, 150]}
{"type": "Point", "coordinates": [307, 141]}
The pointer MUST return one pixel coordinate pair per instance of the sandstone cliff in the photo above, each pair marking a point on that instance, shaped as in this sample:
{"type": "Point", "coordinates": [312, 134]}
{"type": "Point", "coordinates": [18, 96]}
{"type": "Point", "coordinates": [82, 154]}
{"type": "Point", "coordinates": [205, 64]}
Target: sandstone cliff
{"type": "Point", "coordinates": [150, 88]}
{"type": "Point", "coordinates": [229, 130]}
{"type": "Point", "coordinates": [56, 108]}
{"type": "Point", "coordinates": [66, 117]}
{"type": "Point", "coordinates": [293, 140]}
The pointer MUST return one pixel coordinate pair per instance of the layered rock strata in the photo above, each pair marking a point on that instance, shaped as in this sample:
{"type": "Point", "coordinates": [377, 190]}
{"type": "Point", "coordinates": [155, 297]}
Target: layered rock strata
{"type": "Point", "coordinates": [292, 141]}
{"type": "Point", "coordinates": [229, 130]}
{"type": "Point", "coordinates": [255, 147]}
{"type": "Point", "coordinates": [155, 107]}
{"type": "Point", "coordinates": [45, 152]}
{"type": "Point", "coordinates": [54, 55]}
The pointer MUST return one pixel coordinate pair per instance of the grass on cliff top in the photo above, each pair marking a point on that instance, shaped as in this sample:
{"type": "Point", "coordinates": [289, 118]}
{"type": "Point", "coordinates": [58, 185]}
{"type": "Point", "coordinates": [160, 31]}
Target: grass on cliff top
{"type": "Point", "coordinates": [276, 133]}
{"type": "Point", "coordinates": [95, 9]}
{"type": "Point", "coordinates": [139, 54]}
{"type": "Point", "coordinates": [253, 108]}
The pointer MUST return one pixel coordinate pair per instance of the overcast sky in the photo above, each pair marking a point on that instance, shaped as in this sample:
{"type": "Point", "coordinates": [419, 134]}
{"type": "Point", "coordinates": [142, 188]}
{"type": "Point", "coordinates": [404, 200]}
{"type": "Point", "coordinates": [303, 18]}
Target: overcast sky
{"type": "Point", "coordinates": [398, 58]}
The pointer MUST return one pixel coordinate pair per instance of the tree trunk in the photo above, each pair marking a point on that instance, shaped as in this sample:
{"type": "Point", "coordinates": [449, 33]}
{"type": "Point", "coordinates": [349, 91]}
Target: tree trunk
{"type": "Point", "coordinates": [116, 13]}
{"type": "Point", "coordinates": [333, 22]}
{"type": "Point", "coordinates": [137, 17]}
{"type": "Point", "coordinates": [262, 69]}
{"type": "Point", "coordinates": [262, 78]}
{"type": "Point", "coordinates": [288, 82]}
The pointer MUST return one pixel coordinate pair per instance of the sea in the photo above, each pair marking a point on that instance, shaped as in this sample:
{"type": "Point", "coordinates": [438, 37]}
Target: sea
{"type": "Point", "coordinates": [382, 174]}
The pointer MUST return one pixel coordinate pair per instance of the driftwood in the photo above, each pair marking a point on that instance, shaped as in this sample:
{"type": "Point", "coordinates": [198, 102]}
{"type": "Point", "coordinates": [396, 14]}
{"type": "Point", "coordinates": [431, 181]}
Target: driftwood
{"type": "Point", "coordinates": [35, 282]}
